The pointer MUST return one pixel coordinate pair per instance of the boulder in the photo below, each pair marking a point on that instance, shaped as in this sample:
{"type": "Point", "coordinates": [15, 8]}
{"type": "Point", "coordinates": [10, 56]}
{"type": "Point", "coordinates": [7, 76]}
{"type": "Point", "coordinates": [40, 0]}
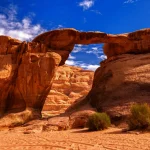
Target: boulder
{"type": "Point", "coordinates": [119, 83]}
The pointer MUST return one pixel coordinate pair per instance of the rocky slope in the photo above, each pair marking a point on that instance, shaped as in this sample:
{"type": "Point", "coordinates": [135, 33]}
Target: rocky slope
{"type": "Point", "coordinates": [69, 85]}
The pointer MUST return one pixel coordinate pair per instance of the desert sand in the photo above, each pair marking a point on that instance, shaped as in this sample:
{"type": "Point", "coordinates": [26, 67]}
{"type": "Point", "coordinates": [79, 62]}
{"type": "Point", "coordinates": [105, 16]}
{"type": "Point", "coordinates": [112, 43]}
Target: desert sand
{"type": "Point", "coordinates": [78, 139]}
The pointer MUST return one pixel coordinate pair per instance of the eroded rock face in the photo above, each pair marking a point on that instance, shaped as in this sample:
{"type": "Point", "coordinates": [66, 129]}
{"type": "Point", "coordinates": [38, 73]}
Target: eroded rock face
{"type": "Point", "coordinates": [120, 82]}
{"type": "Point", "coordinates": [69, 84]}
{"type": "Point", "coordinates": [27, 70]}
{"type": "Point", "coordinates": [26, 73]}
{"type": "Point", "coordinates": [7, 68]}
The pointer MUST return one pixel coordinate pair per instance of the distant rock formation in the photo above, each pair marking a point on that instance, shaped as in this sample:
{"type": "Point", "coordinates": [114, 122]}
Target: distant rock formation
{"type": "Point", "coordinates": [28, 68]}
{"type": "Point", "coordinates": [69, 85]}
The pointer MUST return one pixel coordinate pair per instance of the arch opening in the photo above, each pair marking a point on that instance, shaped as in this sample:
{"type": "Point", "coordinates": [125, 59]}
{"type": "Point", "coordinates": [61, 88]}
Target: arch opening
{"type": "Point", "coordinates": [73, 81]}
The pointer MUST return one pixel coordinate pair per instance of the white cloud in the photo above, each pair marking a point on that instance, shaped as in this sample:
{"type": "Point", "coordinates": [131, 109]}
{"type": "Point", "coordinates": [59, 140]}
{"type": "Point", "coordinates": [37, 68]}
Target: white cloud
{"type": "Point", "coordinates": [71, 57]}
{"type": "Point", "coordinates": [86, 4]}
{"type": "Point", "coordinates": [103, 57]}
{"type": "Point", "coordinates": [23, 30]}
{"type": "Point", "coordinates": [92, 67]}
{"type": "Point", "coordinates": [82, 65]}
{"type": "Point", "coordinates": [77, 48]}
{"type": "Point", "coordinates": [2, 31]}
{"type": "Point", "coordinates": [89, 52]}
{"type": "Point", "coordinates": [130, 1]}
{"type": "Point", "coordinates": [94, 48]}
{"type": "Point", "coordinates": [89, 67]}
{"type": "Point", "coordinates": [70, 62]}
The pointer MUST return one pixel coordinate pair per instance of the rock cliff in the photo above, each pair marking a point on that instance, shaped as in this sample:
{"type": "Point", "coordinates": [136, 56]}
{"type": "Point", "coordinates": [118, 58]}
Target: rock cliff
{"type": "Point", "coordinates": [120, 82]}
{"type": "Point", "coordinates": [69, 85]}
{"type": "Point", "coordinates": [28, 68]}
{"type": "Point", "coordinates": [26, 72]}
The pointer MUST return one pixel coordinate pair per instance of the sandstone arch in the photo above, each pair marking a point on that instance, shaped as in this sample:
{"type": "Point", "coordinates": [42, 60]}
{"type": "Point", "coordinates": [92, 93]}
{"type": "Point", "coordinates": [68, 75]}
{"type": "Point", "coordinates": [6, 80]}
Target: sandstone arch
{"type": "Point", "coordinates": [27, 68]}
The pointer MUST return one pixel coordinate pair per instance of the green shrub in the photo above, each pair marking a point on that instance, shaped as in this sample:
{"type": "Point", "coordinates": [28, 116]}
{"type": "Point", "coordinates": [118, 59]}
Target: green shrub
{"type": "Point", "coordinates": [140, 117]}
{"type": "Point", "coordinates": [98, 121]}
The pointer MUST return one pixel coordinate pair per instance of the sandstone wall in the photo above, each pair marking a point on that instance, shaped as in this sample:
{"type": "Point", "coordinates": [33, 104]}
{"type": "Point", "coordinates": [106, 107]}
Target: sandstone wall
{"type": "Point", "coordinates": [69, 85]}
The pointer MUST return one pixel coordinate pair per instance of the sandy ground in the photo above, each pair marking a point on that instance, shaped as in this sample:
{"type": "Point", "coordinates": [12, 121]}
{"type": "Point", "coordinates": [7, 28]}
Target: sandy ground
{"type": "Point", "coordinates": [111, 139]}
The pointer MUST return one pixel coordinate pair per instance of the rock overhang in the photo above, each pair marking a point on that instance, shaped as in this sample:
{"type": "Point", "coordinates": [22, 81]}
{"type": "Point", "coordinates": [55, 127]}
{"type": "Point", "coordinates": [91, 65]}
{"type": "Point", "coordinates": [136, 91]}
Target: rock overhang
{"type": "Point", "coordinates": [62, 41]}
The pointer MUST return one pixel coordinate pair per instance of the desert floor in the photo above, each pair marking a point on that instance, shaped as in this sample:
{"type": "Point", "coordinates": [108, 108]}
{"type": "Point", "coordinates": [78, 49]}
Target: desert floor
{"type": "Point", "coordinates": [110, 139]}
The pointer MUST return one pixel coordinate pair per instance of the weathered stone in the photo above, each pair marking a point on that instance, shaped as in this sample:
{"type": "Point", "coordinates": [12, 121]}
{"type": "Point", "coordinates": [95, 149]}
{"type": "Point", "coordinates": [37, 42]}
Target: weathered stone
{"type": "Point", "coordinates": [25, 80]}
{"type": "Point", "coordinates": [70, 84]}
{"type": "Point", "coordinates": [27, 70]}
{"type": "Point", "coordinates": [121, 82]}
{"type": "Point", "coordinates": [65, 39]}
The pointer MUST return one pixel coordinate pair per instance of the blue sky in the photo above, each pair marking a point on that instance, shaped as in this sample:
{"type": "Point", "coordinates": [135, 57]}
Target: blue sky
{"type": "Point", "coordinates": [24, 19]}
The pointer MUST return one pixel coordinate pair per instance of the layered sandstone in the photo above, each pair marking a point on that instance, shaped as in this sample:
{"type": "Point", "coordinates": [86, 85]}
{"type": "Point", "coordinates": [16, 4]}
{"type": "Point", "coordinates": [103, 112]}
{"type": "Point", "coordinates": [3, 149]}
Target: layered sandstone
{"type": "Point", "coordinates": [69, 85]}
{"type": "Point", "coordinates": [27, 70]}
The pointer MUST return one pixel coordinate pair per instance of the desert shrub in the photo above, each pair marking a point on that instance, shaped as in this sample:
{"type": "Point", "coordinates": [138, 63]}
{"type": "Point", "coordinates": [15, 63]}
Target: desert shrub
{"type": "Point", "coordinates": [98, 121]}
{"type": "Point", "coordinates": [140, 117]}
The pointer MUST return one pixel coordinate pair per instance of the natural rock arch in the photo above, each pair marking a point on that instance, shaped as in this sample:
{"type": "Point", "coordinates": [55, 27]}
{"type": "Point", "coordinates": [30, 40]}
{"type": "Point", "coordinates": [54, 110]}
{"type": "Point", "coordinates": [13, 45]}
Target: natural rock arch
{"type": "Point", "coordinates": [27, 68]}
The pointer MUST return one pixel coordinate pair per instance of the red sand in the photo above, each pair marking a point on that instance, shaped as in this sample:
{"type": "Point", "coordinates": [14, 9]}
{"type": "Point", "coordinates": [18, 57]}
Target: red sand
{"type": "Point", "coordinates": [111, 139]}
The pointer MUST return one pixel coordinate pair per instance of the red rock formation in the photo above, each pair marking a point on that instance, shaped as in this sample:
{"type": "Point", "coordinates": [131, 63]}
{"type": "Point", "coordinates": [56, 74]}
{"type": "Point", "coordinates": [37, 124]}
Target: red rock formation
{"type": "Point", "coordinates": [135, 42]}
{"type": "Point", "coordinates": [70, 84]}
{"type": "Point", "coordinates": [27, 70]}
{"type": "Point", "coordinates": [120, 82]}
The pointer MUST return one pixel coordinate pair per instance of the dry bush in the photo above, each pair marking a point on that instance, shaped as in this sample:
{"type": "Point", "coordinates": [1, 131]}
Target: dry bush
{"type": "Point", "coordinates": [98, 121]}
{"type": "Point", "coordinates": [140, 117]}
